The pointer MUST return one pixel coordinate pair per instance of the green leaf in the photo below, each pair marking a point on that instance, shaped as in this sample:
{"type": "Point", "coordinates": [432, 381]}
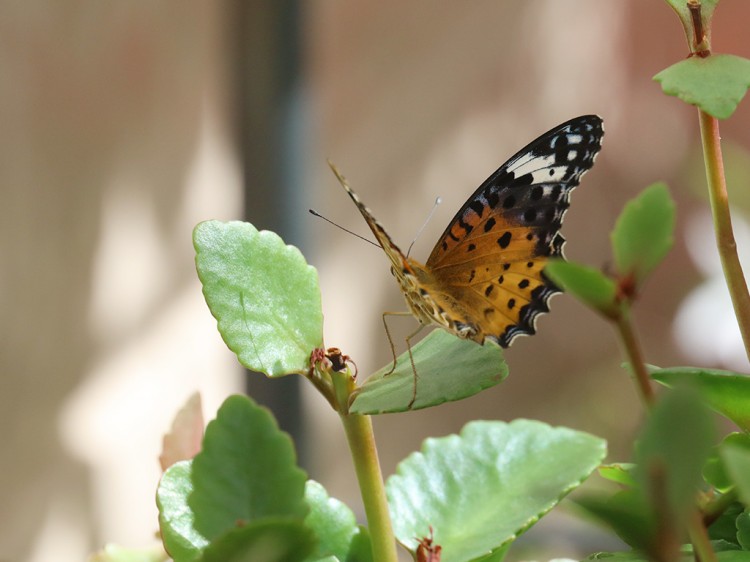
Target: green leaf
{"type": "Point", "coordinates": [115, 553]}
{"type": "Point", "coordinates": [725, 526]}
{"type": "Point", "coordinates": [737, 461]}
{"type": "Point", "coordinates": [480, 489]}
{"type": "Point", "coordinates": [632, 556]}
{"type": "Point", "coordinates": [714, 471]}
{"type": "Point", "coordinates": [268, 540]}
{"type": "Point", "coordinates": [176, 520]}
{"type": "Point", "coordinates": [448, 369]}
{"type": "Point", "coordinates": [743, 530]}
{"type": "Point", "coordinates": [643, 233]}
{"type": "Point", "coordinates": [246, 471]}
{"type": "Point", "coordinates": [587, 284]}
{"type": "Point", "coordinates": [336, 527]}
{"type": "Point", "coordinates": [625, 512]}
{"type": "Point", "coordinates": [671, 451]}
{"type": "Point", "coordinates": [719, 546]}
{"type": "Point", "coordinates": [622, 473]}
{"type": "Point", "coordinates": [726, 392]}
{"type": "Point", "coordinates": [264, 296]}
{"type": "Point", "coordinates": [715, 84]}
{"type": "Point", "coordinates": [707, 12]}
{"type": "Point", "coordinates": [728, 556]}
{"type": "Point", "coordinates": [498, 555]}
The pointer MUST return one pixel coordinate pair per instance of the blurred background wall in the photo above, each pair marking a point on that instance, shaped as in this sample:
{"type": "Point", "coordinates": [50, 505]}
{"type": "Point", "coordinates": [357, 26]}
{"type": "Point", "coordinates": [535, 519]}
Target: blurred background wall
{"type": "Point", "coordinates": [124, 124]}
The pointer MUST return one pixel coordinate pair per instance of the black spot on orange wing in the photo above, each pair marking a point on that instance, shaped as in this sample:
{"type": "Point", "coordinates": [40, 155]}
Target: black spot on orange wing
{"type": "Point", "coordinates": [466, 226]}
{"type": "Point", "coordinates": [492, 199]}
{"type": "Point", "coordinates": [477, 207]}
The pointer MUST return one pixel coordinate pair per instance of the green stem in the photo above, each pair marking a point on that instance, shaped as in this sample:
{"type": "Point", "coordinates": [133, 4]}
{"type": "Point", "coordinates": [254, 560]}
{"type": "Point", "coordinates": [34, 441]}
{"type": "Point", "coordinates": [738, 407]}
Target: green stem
{"type": "Point", "coordinates": [635, 355]}
{"type": "Point", "coordinates": [718, 505]}
{"type": "Point", "coordinates": [700, 539]}
{"type": "Point", "coordinates": [361, 439]}
{"type": "Point", "coordinates": [717, 190]}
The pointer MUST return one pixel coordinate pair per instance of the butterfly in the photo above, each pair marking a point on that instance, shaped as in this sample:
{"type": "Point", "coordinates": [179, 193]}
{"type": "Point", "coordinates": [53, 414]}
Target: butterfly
{"type": "Point", "coordinates": [484, 280]}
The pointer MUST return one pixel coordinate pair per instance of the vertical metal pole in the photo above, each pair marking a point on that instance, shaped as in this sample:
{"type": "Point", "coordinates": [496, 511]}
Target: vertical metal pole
{"type": "Point", "coordinates": [266, 70]}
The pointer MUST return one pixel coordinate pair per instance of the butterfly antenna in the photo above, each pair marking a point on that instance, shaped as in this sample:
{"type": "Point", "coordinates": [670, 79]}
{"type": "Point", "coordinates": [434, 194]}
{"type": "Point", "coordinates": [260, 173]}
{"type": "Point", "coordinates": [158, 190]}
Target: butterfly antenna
{"type": "Point", "coordinates": [421, 228]}
{"type": "Point", "coordinates": [317, 214]}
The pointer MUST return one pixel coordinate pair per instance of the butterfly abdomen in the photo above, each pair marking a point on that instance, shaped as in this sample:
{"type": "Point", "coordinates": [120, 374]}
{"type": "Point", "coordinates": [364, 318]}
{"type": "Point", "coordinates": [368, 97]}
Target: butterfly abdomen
{"type": "Point", "coordinates": [430, 304]}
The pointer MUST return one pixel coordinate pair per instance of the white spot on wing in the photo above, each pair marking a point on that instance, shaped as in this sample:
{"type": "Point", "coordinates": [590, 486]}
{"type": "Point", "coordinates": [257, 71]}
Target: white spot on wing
{"type": "Point", "coordinates": [557, 176]}
{"type": "Point", "coordinates": [531, 164]}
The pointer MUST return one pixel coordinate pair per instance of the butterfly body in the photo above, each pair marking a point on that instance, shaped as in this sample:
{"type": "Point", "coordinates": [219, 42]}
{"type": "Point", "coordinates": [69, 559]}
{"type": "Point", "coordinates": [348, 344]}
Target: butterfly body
{"type": "Point", "coordinates": [484, 279]}
{"type": "Point", "coordinates": [429, 304]}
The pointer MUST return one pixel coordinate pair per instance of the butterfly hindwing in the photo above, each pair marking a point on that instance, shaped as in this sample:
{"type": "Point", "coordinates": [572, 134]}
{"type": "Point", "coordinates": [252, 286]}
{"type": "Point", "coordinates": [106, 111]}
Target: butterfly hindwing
{"type": "Point", "coordinates": [492, 254]}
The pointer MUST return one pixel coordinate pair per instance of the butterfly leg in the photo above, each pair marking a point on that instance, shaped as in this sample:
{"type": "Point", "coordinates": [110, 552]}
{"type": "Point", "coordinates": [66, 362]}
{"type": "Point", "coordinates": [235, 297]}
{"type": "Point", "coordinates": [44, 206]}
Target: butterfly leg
{"type": "Point", "coordinates": [390, 339]}
{"type": "Point", "coordinates": [413, 368]}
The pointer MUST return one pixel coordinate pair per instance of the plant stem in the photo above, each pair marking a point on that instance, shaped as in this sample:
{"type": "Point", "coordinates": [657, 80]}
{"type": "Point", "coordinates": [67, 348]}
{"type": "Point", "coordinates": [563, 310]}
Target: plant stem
{"type": "Point", "coordinates": [362, 445]}
{"type": "Point", "coordinates": [361, 441]}
{"type": "Point", "coordinates": [718, 505]}
{"type": "Point", "coordinates": [635, 355]}
{"type": "Point", "coordinates": [699, 538]}
{"type": "Point", "coordinates": [717, 190]}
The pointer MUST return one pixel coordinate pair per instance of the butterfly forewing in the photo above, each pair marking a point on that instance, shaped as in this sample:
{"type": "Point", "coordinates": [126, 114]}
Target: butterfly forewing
{"type": "Point", "coordinates": [492, 254]}
{"type": "Point", "coordinates": [485, 277]}
{"type": "Point", "coordinates": [530, 192]}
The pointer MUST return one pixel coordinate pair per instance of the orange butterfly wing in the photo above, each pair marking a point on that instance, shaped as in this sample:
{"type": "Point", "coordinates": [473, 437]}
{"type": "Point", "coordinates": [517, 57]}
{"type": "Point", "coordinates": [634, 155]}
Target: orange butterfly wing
{"type": "Point", "coordinates": [484, 279]}
{"type": "Point", "coordinates": [491, 257]}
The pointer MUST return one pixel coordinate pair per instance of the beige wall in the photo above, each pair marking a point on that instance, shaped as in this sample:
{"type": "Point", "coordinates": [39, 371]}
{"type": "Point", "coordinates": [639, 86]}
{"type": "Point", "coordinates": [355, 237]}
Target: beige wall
{"type": "Point", "coordinates": [114, 142]}
{"type": "Point", "coordinates": [113, 146]}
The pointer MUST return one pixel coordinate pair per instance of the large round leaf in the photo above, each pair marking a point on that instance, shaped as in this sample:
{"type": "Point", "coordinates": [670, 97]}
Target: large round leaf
{"type": "Point", "coordinates": [263, 294]}
{"type": "Point", "coordinates": [246, 471]}
{"type": "Point", "coordinates": [176, 520]}
{"type": "Point", "coordinates": [268, 540]}
{"type": "Point", "coordinates": [716, 84]}
{"type": "Point", "coordinates": [336, 527]}
{"type": "Point", "coordinates": [480, 489]}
